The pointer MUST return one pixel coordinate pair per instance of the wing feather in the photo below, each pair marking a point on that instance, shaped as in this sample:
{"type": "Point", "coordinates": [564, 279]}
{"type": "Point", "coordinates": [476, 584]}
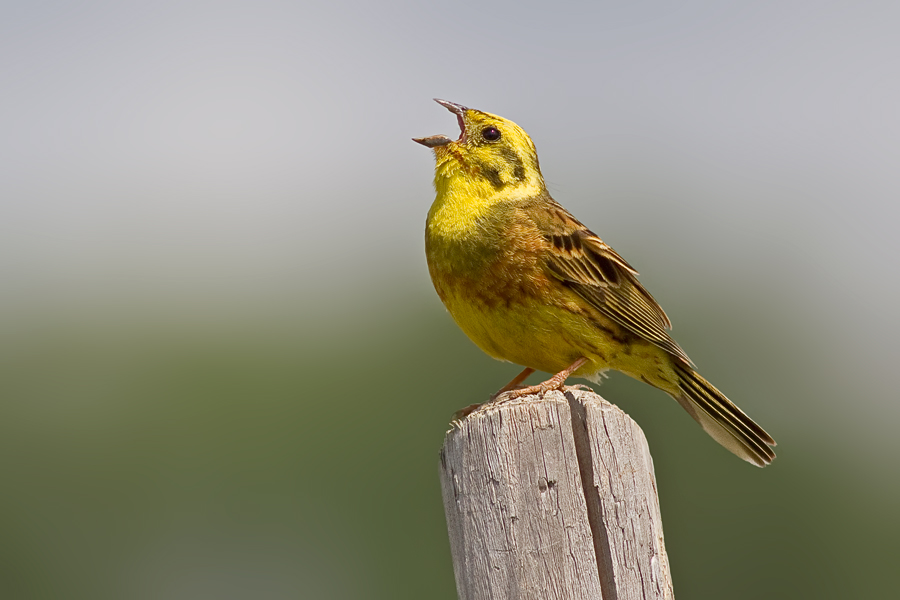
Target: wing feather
{"type": "Point", "coordinates": [594, 271]}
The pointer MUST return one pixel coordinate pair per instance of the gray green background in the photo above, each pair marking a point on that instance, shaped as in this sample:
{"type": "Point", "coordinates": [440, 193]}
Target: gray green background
{"type": "Point", "coordinates": [224, 373]}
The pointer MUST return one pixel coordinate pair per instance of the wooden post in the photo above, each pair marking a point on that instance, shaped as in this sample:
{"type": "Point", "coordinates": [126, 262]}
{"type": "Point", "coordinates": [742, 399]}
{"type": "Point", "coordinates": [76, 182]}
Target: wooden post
{"type": "Point", "coordinates": [553, 497]}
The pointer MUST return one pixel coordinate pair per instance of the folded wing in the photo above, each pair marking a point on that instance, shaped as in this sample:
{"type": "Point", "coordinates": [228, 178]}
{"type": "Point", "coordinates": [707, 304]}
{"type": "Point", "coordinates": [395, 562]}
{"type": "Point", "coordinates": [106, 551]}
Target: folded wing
{"type": "Point", "coordinates": [593, 270]}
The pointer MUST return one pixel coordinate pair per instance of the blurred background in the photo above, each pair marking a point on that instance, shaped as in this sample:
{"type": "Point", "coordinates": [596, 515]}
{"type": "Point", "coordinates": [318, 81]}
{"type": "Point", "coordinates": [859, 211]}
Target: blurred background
{"type": "Point", "coordinates": [225, 373]}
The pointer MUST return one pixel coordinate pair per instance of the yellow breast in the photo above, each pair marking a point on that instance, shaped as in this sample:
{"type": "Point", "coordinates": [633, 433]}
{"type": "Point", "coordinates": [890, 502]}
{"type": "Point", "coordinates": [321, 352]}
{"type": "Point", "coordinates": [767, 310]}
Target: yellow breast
{"type": "Point", "coordinates": [487, 269]}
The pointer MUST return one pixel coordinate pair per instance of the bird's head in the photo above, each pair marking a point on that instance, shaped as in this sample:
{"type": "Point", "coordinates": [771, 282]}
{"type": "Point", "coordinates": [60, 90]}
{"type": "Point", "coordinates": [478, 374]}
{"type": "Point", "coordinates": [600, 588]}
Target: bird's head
{"type": "Point", "coordinates": [492, 156]}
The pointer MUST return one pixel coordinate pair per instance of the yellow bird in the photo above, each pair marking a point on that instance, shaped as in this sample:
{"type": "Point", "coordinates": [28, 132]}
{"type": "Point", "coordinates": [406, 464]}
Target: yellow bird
{"type": "Point", "coordinates": [529, 284]}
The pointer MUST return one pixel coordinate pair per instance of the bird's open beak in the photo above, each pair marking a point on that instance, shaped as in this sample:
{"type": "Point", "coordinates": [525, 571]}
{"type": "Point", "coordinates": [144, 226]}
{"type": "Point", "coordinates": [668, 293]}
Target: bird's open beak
{"type": "Point", "coordinates": [442, 140]}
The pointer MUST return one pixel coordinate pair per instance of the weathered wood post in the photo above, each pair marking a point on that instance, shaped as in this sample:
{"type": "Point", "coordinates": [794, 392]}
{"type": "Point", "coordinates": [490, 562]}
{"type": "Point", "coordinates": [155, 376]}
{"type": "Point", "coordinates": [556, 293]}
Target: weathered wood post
{"type": "Point", "coordinates": [553, 498]}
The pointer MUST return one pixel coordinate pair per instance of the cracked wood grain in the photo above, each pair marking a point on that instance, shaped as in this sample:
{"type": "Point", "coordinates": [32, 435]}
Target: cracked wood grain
{"type": "Point", "coordinates": [553, 498]}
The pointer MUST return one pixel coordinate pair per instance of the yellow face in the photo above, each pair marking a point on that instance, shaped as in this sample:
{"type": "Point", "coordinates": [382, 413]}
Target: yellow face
{"type": "Point", "coordinates": [493, 155]}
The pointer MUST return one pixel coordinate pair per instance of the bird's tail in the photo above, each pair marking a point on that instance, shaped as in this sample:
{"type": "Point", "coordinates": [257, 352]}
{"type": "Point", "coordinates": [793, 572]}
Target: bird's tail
{"type": "Point", "coordinates": [720, 418]}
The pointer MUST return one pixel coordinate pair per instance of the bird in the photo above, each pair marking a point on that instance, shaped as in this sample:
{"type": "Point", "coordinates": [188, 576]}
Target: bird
{"type": "Point", "coordinates": [528, 283]}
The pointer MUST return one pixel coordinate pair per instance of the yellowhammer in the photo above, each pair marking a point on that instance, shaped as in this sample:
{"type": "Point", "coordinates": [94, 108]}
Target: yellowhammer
{"type": "Point", "coordinates": [529, 284]}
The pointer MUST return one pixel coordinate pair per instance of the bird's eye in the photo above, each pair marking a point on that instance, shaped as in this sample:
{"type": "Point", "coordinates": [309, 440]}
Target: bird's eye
{"type": "Point", "coordinates": [491, 134]}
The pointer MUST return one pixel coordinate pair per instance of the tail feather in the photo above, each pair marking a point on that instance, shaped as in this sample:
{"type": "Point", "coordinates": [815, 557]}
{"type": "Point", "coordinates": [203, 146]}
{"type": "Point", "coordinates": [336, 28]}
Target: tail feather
{"type": "Point", "coordinates": [721, 419]}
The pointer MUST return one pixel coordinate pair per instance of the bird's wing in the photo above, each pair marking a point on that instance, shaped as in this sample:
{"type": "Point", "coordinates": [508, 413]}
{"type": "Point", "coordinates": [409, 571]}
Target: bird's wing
{"type": "Point", "coordinates": [593, 270]}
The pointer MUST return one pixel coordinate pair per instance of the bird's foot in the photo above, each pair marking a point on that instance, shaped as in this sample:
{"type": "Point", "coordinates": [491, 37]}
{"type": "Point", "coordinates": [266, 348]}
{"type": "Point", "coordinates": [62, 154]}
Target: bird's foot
{"type": "Point", "coordinates": [512, 390]}
{"type": "Point", "coordinates": [557, 382]}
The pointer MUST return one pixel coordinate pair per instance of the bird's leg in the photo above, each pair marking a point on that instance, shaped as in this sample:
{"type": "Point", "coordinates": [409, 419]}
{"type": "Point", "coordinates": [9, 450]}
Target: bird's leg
{"type": "Point", "coordinates": [515, 382]}
{"type": "Point", "coordinates": [554, 383]}
{"type": "Point", "coordinates": [464, 412]}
